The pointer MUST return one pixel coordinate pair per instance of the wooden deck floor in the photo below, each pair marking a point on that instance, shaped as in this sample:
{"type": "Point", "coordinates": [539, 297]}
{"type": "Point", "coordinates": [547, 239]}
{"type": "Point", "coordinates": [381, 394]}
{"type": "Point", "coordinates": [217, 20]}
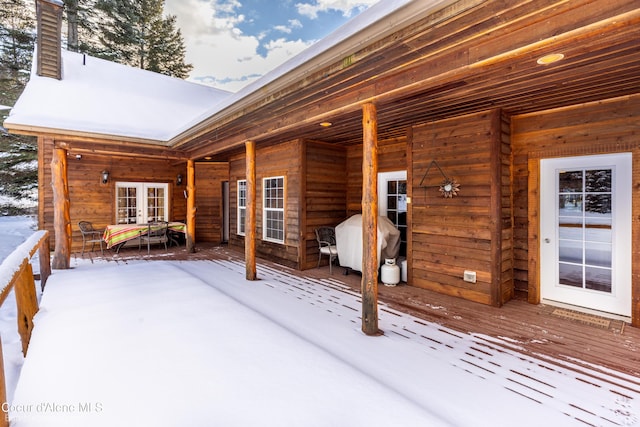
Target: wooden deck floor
{"type": "Point", "coordinates": [547, 332]}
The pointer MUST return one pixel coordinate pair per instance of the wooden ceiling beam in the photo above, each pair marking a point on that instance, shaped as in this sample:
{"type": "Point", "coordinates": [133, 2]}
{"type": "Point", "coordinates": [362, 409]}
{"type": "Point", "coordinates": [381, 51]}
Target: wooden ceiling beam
{"type": "Point", "coordinates": [122, 149]}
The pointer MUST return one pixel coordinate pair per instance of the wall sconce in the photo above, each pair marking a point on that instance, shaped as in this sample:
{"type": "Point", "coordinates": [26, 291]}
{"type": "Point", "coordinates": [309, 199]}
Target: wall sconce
{"type": "Point", "coordinates": [179, 179]}
{"type": "Point", "coordinates": [105, 176]}
{"type": "Point", "coordinates": [78, 156]}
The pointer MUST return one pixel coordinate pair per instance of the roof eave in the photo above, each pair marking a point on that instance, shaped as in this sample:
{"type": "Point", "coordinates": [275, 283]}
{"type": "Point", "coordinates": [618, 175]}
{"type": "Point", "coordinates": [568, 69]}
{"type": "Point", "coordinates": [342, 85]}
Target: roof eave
{"type": "Point", "coordinates": [383, 27]}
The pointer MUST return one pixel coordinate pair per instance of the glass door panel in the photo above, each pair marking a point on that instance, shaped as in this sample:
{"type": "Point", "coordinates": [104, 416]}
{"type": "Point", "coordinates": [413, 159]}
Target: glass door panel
{"type": "Point", "coordinates": [585, 226]}
{"type": "Point", "coordinates": [139, 202]}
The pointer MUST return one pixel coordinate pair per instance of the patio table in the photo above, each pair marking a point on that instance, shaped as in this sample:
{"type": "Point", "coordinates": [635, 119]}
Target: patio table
{"type": "Point", "coordinates": [118, 234]}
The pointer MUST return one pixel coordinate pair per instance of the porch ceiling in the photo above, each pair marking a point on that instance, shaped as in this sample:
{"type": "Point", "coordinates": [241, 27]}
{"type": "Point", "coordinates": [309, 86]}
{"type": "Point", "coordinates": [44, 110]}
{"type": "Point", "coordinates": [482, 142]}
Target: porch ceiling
{"type": "Point", "coordinates": [456, 61]}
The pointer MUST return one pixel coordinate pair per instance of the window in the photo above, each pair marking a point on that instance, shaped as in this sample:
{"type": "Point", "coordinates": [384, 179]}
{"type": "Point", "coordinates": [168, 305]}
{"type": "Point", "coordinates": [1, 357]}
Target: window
{"type": "Point", "coordinates": [242, 205]}
{"type": "Point", "coordinates": [141, 202]}
{"type": "Point", "coordinates": [273, 209]}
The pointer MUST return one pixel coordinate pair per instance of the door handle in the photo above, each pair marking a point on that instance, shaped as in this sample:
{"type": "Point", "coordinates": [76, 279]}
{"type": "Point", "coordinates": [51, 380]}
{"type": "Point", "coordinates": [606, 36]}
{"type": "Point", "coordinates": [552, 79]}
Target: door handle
{"type": "Point", "coordinates": [547, 240]}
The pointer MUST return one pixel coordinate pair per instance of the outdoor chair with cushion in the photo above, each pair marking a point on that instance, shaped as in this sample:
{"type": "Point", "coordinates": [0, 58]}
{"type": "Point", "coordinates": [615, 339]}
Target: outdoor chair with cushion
{"type": "Point", "coordinates": [326, 237]}
{"type": "Point", "coordinates": [90, 235]}
{"type": "Point", "coordinates": [156, 235]}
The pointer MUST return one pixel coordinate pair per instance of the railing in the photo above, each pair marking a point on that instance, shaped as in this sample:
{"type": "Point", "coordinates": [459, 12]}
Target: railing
{"type": "Point", "coordinates": [16, 273]}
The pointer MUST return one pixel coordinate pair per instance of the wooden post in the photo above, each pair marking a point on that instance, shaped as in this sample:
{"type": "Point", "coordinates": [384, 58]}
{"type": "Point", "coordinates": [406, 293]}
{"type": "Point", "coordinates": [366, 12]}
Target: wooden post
{"type": "Point", "coordinates": [370, 260]}
{"type": "Point", "coordinates": [191, 206]}
{"type": "Point", "coordinates": [250, 217]}
{"type": "Point", "coordinates": [4, 419]}
{"type": "Point", "coordinates": [61, 207]}
{"type": "Point", "coordinates": [44, 256]}
{"type": "Point", "coordinates": [26, 303]}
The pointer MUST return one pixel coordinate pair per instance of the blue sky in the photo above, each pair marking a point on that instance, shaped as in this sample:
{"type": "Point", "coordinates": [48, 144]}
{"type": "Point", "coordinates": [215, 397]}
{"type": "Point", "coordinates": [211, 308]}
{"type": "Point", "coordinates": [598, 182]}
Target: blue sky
{"type": "Point", "coordinates": [233, 42]}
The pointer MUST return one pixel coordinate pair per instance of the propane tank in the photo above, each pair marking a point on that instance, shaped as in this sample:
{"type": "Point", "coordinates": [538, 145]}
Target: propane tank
{"type": "Point", "coordinates": [390, 272]}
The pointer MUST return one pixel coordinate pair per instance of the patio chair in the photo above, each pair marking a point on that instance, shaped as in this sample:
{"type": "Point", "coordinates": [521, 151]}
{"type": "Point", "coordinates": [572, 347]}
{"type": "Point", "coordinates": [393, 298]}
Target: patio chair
{"type": "Point", "coordinates": [90, 235]}
{"type": "Point", "coordinates": [176, 238]}
{"type": "Point", "coordinates": [326, 237]}
{"type": "Point", "coordinates": [156, 235]}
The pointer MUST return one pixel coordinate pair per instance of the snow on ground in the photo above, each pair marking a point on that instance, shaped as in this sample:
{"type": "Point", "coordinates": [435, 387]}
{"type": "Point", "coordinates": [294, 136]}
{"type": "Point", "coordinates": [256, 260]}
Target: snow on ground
{"type": "Point", "coordinates": [192, 343]}
{"type": "Point", "coordinates": [13, 231]}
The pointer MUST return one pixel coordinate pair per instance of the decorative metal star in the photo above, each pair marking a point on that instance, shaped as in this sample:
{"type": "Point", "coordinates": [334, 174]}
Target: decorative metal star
{"type": "Point", "coordinates": [449, 188]}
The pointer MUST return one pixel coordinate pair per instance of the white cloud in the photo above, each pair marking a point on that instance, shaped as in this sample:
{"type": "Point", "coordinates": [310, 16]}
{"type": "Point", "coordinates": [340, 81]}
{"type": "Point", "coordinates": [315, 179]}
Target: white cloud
{"type": "Point", "coordinates": [282, 29]}
{"type": "Point", "coordinates": [288, 29]}
{"type": "Point", "coordinates": [346, 7]}
{"type": "Point", "coordinates": [221, 54]}
{"type": "Point", "coordinates": [225, 57]}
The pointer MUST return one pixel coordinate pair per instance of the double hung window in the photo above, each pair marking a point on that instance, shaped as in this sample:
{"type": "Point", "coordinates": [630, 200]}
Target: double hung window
{"type": "Point", "coordinates": [273, 209]}
{"type": "Point", "coordinates": [242, 205]}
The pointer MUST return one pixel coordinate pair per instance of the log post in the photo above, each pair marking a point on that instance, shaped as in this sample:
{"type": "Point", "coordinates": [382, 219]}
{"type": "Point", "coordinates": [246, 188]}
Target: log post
{"type": "Point", "coordinates": [26, 303]}
{"type": "Point", "coordinates": [61, 208]}
{"type": "Point", "coordinates": [250, 217]}
{"type": "Point", "coordinates": [4, 420]}
{"type": "Point", "coordinates": [370, 260]}
{"type": "Point", "coordinates": [191, 206]}
{"type": "Point", "coordinates": [44, 257]}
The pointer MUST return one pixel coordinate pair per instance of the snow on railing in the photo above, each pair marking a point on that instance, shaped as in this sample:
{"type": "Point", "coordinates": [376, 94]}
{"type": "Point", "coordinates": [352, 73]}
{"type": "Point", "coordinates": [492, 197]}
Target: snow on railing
{"type": "Point", "coordinates": [16, 273]}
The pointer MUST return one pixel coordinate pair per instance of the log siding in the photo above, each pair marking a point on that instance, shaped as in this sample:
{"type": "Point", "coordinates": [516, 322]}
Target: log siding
{"type": "Point", "coordinates": [608, 126]}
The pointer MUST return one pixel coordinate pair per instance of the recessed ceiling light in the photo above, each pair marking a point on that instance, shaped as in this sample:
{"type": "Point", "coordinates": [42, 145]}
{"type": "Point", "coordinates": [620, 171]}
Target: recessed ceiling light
{"type": "Point", "coordinates": [208, 158]}
{"type": "Point", "coordinates": [550, 59]}
{"type": "Point", "coordinates": [325, 124]}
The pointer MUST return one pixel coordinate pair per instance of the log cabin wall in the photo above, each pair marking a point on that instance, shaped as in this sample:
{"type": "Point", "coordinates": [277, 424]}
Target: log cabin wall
{"type": "Point", "coordinates": [273, 161]}
{"type": "Point", "coordinates": [93, 201]}
{"type": "Point", "coordinates": [325, 194]}
{"type": "Point", "coordinates": [504, 163]}
{"type": "Point", "coordinates": [471, 231]}
{"type": "Point", "coordinates": [209, 200]}
{"type": "Point", "coordinates": [608, 126]}
{"type": "Point", "coordinates": [392, 156]}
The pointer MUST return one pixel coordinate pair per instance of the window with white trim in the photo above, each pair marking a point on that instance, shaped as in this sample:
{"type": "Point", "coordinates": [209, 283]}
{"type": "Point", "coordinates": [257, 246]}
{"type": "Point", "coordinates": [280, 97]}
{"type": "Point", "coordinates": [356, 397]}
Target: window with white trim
{"type": "Point", "coordinates": [242, 205]}
{"type": "Point", "coordinates": [273, 209]}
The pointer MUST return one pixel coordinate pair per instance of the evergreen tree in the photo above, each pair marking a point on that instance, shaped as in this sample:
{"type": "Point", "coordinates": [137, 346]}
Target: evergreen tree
{"type": "Point", "coordinates": [167, 49]}
{"type": "Point", "coordinates": [135, 32]}
{"type": "Point", "coordinates": [17, 39]}
{"type": "Point", "coordinates": [81, 17]}
{"type": "Point", "coordinates": [18, 173]}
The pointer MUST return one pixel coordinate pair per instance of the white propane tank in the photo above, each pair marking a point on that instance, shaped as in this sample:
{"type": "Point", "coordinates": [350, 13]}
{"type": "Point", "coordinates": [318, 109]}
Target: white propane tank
{"type": "Point", "coordinates": [390, 272]}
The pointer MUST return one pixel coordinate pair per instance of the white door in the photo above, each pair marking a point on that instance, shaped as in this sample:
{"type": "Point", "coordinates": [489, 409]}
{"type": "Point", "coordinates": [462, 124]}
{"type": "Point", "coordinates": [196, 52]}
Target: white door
{"type": "Point", "coordinates": [585, 232]}
{"type": "Point", "coordinates": [392, 202]}
{"type": "Point", "coordinates": [141, 202]}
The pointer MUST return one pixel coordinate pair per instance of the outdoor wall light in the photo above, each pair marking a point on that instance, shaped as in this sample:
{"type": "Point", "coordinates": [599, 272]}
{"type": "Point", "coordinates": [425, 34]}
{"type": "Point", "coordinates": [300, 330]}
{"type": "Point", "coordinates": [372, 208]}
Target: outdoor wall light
{"type": "Point", "coordinates": [78, 156]}
{"type": "Point", "coordinates": [179, 179]}
{"type": "Point", "coordinates": [105, 176]}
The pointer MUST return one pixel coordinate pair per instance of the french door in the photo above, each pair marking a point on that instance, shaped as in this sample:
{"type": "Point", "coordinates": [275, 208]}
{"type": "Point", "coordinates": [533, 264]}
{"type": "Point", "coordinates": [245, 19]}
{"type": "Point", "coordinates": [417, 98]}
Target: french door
{"type": "Point", "coordinates": [585, 232]}
{"type": "Point", "coordinates": [141, 202]}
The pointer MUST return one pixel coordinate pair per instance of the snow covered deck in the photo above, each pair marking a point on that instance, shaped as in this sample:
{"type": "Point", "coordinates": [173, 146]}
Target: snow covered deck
{"type": "Point", "coordinates": [192, 343]}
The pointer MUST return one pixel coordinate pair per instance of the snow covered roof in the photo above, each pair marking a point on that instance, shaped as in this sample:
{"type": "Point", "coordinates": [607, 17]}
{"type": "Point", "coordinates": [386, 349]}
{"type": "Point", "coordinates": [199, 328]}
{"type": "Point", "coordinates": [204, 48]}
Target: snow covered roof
{"type": "Point", "coordinates": [101, 97]}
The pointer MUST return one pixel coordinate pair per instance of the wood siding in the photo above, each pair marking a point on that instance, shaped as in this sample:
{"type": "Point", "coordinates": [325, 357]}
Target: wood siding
{"type": "Point", "coordinates": [93, 201]}
{"type": "Point", "coordinates": [392, 156]}
{"type": "Point", "coordinates": [278, 160]}
{"type": "Point", "coordinates": [209, 201]}
{"type": "Point", "coordinates": [470, 231]}
{"type": "Point", "coordinates": [325, 194]}
{"type": "Point", "coordinates": [609, 126]}
{"type": "Point", "coordinates": [49, 59]}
